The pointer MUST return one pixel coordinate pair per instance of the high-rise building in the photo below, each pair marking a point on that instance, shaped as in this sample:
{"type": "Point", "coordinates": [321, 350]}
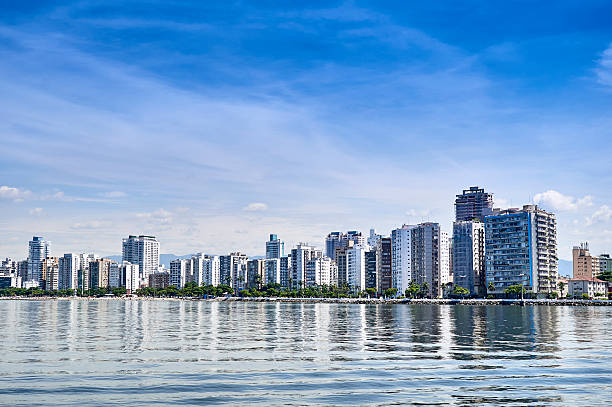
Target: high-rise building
{"type": "Point", "coordinates": [605, 264]}
{"type": "Point", "coordinates": [521, 249]}
{"type": "Point", "coordinates": [272, 271]}
{"type": "Point", "coordinates": [159, 280]}
{"type": "Point", "coordinates": [285, 271]}
{"type": "Point", "coordinates": [233, 268]}
{"type": "Point", "coordinates": [99, 273]}
{"type": "Point", "coordinates": [401, 258]}
{"type": "Point", "coordinates": [299, 257]}
{"type": "Point", "coordinates": [8, 267]}
{"type": "Point", "coordinates": [420, 254]}
{"type": "Point", "coordinates": [373, 239]}
{"type": "Point", "coordinates": [473, 204]}
{"type": "Point", "coordinates": [335, 240]}
{"type": "Point", "coordinates": [468, 256]}
{"type": "Point", "coordinates": [38, 251]}
{"type": "Point", "coordinates": [50, 273]}
{"type": "Point", "coordinates": [22, 270]}
{"type": "Point", "coordinates": [275, 248]}
{"type": "Point", "coordinates": [179, 269]}
{"type": "Point", "coordinates": [383, 264]}
{"type": "Point", "coordinates": [371, 268]}
{"type": "Point", "coordinates": [430, 257]}
{"type": "Point", "coordinates": [83, 273]}
{"type": "Point", "coordinates": [69, 266]}
{"type": "Point", "coordinates": [341, 260]}
{"type": "Point", "coordinates": [255, 273]}
{"type": "Point", "coordinates": [585, 266]}
{"type": "Point", "coordinates": [114, 275]}
{"type": "Point", "coordinates": [356, 267]}
{"type": "Point", "coordinates": [144, 251]}
{"type": "Point", "coordinates": [211, 271]}
{"type": "Point", "coordinates": [319, 271]}
{"type": "Point", "coordinates": [130, 276]}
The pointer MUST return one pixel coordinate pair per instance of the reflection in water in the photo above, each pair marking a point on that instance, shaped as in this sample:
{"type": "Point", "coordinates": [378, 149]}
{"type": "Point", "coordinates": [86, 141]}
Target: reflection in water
{"type": "Point", "coordinates": [107, 352]}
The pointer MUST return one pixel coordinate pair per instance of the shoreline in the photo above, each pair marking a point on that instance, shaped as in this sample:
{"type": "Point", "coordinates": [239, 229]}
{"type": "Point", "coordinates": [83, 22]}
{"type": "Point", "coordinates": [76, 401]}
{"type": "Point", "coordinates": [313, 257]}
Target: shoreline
{"type": "Point", "coordinates": [372, 301]}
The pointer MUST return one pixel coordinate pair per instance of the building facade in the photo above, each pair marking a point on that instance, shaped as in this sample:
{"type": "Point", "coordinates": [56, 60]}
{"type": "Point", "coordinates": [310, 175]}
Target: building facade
{"type": "Point", "coordinates": [38, 251]}
{"type": "Point", "coordinates": [383, 264]}
{"type": "Point", "coordinates": [521, 249]}
{"type": "Point", "coordinates": [144, 251]}
{"type": "Point", "coordinates": [468, 256]}
{"type": "Point", "coordinates": [275, 248]}
{"type": "Point", "coordinates": [585, 266]}
{"type": "Point", "coordinates": [473, 204]}
{"type": "Point", "coordinates": [299, 257]}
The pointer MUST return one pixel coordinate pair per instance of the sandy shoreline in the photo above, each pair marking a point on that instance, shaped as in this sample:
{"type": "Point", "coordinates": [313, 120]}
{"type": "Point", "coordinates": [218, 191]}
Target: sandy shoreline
{"type": "Point", "coordinates": [374, 301]}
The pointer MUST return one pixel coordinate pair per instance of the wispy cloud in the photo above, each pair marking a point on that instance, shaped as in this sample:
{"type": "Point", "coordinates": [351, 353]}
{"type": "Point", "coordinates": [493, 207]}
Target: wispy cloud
{"type": "Point", "coordinates": [604, 67]}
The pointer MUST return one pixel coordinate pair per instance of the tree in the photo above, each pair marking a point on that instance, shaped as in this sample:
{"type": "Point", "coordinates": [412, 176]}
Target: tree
{"type": "Point", "coordinates": [371, 292]}
{"type": "Point", "coordinates": [460, 291]}
{"type": "Point", "coordinates": [515, 290]}
{"type": "Point", "coordinates": [424, 289]}
{"type": "Point", "coordinates": [561, 287]}
{"type": "Point", "coordinates": [413, 290]}
{"type": "Point", "coordinates": [390, 292]}
{"type": "Point", "coordinates": [491, 287]}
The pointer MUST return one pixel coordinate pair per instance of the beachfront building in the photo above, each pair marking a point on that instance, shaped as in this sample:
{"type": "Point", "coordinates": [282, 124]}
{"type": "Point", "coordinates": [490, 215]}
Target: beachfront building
{"type": "Point", "coordinates": [319, 271]}
{"type": "Point", "coordinates": [521, 249]}
{"type": "Point", "coordinates": [585, 266]}
{"type": "Point", "coordinates": [144, 251]}
{"type": "Point", "coordinates": [383, 264]}
{"type": "Point", "coordinates": [468, 256]}
{"type": "Point", "coordinates": [401, 258]}
{"type": "Point", "coordinates": [50, 273]}
{"type": "Point", "coordinates": [593, 288]}
{"type": "Point", "coordinates": [272, 271]}
{"type": "Point", "coordinates": [69, 266]}
{"type": "Point", "coordinates": [38, 251]}
{"type": "Point", "coordinates": [232, 268]}
{"type": "Point", "coordinates": [356, 267]}
{"type": "Point", "coordinates": [299, 257]}
{"type": "Point", "coordinates": [179, 271]}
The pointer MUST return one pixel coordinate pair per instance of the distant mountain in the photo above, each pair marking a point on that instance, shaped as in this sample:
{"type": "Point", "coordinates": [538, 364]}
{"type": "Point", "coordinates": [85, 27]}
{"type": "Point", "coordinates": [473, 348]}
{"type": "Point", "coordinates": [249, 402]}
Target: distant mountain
{"type": "Point", "coordinates": [164, 259]}
{"type": "Point", "coordinates": [566, 268]}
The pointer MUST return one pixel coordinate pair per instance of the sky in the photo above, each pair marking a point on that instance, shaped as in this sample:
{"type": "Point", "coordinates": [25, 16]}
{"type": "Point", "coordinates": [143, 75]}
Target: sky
{"type": "Point", "coordinates": [214, 124]}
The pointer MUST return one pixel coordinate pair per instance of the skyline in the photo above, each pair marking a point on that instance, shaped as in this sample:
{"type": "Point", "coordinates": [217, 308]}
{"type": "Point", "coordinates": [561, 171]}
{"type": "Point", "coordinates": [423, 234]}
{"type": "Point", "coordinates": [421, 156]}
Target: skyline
{"type": "Point", "coordinates": [213, 127]}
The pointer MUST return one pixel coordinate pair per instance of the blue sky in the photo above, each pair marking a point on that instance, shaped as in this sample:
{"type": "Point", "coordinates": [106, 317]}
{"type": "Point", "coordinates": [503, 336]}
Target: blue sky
{"type": "Point", "coordinates": [212, 124]}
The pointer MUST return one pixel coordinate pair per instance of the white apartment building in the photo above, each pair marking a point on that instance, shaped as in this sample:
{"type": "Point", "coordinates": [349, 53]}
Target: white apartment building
{"type": "Point", "coordinates": [401, 258]}
{"type": "Point", "coordinates": [144, 251]}
{"type": "Point", "coordinates": [356, 267]}
{"type": "Point", "coordinates": [299, 257]}
{"type": "Point", "coordinates": [130, 276]}
{"type": "Point", "coordinates": [211, 271]}
{"type": "Point", "coordinates": [319, 271]}
{"type": "Point", "coordinates": [594, 288]}
{"type": "Point", "coordinates": [179, 270]}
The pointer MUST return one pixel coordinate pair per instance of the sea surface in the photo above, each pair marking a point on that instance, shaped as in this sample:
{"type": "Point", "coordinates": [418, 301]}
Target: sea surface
{"type": "Point", "coordinates": [146, 353]}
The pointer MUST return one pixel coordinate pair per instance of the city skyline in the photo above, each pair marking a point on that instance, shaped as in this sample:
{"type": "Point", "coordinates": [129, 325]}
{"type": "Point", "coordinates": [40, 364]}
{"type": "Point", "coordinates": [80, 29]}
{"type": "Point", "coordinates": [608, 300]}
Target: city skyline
{"type": "Point", "coordinates": [185, 123]}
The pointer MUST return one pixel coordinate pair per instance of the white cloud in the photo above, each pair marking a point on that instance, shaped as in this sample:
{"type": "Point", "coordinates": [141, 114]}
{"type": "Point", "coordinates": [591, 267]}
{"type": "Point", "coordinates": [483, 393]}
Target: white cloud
{"type": "Point", "coordinates": [36, 211]}
{"type": "Point", "coordinates": [603, 214]}
{"type": "Point", "coordinates": [15, 194]}
{"type": "Point", "coordinates": [604, 68]}
{"type": "Point", "coordinates": [255, 207]}
{"type": "Point", "coordinates": [557, 201]}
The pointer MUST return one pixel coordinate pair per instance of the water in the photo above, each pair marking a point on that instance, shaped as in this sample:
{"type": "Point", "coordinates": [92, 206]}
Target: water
{"type": "Point", "coordinates": [112, 352]}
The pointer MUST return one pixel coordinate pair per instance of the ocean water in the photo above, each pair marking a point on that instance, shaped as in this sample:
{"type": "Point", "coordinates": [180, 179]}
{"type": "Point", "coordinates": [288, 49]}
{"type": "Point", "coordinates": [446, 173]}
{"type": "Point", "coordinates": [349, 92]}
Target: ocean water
{"type": "Point", "coordinates": [146, 353]}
